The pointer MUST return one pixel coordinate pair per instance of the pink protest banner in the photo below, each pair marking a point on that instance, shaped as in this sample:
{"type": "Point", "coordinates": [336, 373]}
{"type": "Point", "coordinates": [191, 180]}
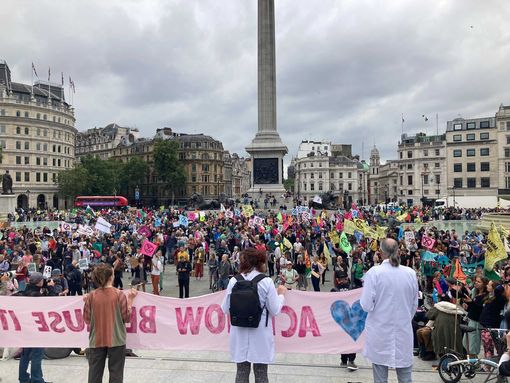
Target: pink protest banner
{"type": "Point", "coordinates": [310, 322]}
{"type": "Point", "coordinates": [428, 242]}
{"type": "Point", "coordinates": [148, 248]}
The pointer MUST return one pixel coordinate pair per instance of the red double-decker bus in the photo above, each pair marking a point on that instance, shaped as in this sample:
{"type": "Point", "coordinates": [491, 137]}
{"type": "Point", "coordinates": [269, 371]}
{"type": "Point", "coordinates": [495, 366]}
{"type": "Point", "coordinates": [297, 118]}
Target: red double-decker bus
{"type": "Point", "coordinates": [100, 201]}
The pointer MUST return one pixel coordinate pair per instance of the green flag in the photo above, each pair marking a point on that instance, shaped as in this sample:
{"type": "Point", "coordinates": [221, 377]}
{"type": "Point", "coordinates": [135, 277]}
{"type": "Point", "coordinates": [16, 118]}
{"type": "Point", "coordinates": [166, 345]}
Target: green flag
{"type": "Point", "coordinates": [345, 244]}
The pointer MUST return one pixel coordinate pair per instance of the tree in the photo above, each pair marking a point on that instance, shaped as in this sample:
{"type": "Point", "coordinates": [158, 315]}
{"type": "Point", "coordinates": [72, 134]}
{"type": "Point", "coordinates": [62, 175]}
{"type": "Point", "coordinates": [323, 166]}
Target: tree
{"type": "Point", "coordinates": [288, 184]}
{"type": "Point", "coordinates": [133, 173]}
{"type": "Point", "coordinates": [167, 165]}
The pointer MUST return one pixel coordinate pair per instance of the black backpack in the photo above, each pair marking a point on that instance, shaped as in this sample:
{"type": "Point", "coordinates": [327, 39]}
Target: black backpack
{"type": "Point", "coordinates": [245, 310]}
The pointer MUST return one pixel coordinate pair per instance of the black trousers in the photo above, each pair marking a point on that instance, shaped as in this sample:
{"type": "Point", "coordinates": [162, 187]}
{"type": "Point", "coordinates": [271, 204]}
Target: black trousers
{"type": "Point", "coordinates": [184, 288]}
{"type": "Point", "coordinates": [347, 357]}
{"type": "Point", "coordinates": [97, 358]}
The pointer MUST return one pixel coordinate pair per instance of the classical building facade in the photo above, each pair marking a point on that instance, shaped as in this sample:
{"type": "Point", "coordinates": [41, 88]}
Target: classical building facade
{"type": "Point", "coordinates": [202, 157]}
{"type": "Point", "coordinates": [472, 157]}
{"type": "Point", "coordinates": [37, 137]}
{"type": "Point", "coordinates": [383, 179]}
{"type": "Point", "coordinates": [503, 137]}
{"type": "Point", "coordinates": [241, 176]}
{"type": "Point", "coordinates": [346, 178]}
{"type": "Point", "coordinates": [421, 168]}
{"type": "Point", "coordinates": [100, 142]}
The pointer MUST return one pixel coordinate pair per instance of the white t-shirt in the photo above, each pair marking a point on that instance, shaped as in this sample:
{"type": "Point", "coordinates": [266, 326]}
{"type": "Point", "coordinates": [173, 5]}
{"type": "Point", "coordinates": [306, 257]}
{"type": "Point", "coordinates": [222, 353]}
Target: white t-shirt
{"type": "Point", "coordinates": [156, 266]}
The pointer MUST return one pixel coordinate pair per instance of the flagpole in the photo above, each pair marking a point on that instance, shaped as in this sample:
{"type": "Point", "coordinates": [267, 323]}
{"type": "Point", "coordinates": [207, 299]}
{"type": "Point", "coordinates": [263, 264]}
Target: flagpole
{"type": "Point", "coordinates": [437, 124]}
{"type": "Point", "coordinates": [402, 123]}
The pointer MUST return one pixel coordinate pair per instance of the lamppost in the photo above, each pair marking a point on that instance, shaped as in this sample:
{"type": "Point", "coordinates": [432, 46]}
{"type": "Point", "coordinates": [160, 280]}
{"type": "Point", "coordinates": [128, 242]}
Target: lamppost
{"type": "Point", "coordinates": [137, 195]}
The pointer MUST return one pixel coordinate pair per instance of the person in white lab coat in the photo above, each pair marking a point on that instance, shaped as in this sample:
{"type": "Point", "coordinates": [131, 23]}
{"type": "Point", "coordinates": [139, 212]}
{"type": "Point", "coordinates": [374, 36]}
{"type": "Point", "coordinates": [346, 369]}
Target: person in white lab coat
{"type": "Point", "coordinates": [390, 297]}
{"type": "Point", "coordinates": [254, 345]}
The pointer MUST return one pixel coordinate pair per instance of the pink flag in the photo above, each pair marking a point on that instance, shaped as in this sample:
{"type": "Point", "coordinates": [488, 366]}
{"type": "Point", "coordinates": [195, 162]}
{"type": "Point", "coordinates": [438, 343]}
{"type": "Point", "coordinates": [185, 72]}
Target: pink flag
{"type": "Point", "coordinates": [427, 242]}
{"type": "Point", "coordinates": [144, 230]}
{"type": "Point", "coordinates": [148, 248]}
{"type": "Point", "coordinates": [339, 225]}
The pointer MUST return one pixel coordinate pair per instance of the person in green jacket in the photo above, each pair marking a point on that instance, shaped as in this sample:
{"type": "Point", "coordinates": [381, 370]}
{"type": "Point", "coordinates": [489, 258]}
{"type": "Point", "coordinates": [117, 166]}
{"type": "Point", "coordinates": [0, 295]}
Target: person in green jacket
{"type": "Point", "coordinates": [357, 271]}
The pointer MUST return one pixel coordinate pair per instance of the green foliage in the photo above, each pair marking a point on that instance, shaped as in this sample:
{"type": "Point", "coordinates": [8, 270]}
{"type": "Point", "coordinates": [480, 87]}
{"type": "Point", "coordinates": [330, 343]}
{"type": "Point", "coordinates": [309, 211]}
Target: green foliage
{"type": "Point", "coordinates": [288, 184]}
{"type": "Point", "coordinates": [167, 164]}
{"type": "Point", "coordinates": [94, 176]}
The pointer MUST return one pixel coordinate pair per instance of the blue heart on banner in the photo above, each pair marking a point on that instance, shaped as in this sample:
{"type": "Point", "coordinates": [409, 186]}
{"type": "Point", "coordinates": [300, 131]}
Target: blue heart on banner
{"type": "Point", "coordinates": [351, 319]}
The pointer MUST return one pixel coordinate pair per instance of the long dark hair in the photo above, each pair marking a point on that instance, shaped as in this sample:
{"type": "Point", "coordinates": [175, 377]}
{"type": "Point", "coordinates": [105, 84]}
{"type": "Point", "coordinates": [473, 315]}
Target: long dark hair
{"type": "Point", "coordinates": [252, 258]}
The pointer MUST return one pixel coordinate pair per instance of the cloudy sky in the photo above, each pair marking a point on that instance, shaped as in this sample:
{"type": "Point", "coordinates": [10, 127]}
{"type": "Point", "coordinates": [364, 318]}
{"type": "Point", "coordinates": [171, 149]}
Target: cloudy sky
{"type": "Point", "coordinates": [346, 70]}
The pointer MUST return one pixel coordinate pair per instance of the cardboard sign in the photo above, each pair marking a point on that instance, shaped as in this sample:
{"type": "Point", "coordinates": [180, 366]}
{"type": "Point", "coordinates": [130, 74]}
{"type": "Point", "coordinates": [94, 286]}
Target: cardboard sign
{"type": "Point", "coordinates": [83, 264]}
{"type": "Point", "coordinates": [32, 268]}
{"type": "Point", "coordinates": [149, 248]}
{"type": "Point", "coordinates": [47, 272]}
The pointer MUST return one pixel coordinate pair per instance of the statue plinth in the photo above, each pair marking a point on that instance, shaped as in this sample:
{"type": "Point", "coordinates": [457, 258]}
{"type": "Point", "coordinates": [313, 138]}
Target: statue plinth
{"type": "Point", "coordinates": [7, 205]}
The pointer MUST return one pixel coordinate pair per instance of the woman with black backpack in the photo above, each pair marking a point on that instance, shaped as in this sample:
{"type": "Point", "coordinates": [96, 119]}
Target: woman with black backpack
{"type": "Point", "coordinates": [252, 300]}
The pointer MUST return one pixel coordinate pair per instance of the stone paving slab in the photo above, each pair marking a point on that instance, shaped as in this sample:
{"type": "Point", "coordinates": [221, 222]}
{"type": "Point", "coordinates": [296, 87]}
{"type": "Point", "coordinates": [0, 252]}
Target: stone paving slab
{"type": "Point", "coordinates": [162, 367]}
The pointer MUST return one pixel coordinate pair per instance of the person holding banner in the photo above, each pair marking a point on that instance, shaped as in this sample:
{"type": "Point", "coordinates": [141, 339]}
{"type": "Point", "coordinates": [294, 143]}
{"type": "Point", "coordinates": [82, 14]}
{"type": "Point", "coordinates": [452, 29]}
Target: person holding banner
{"type": "Point", "coordinates": [390, 297]}
{"type": "Point", "coordinates": [254, 345]}
{"type": "Point", "coordinates": [106, 311]}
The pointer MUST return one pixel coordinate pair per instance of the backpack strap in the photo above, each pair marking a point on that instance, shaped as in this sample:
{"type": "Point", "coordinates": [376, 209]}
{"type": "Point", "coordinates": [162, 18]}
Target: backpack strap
{"type": "Point", "coordinates": [256, 280]}
{"type": "Point", "coordinates": [239, 277]}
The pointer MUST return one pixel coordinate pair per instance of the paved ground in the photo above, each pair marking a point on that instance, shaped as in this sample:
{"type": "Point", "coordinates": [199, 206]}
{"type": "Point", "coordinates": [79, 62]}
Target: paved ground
{"type": "Point", "coordinates": [159, 367]}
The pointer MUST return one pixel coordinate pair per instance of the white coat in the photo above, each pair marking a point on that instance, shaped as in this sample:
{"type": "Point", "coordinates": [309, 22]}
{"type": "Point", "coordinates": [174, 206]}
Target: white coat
{"type": "Point", "coordinates": [254, 345]}
{"type": "Point", "coordinates": [390, 296]}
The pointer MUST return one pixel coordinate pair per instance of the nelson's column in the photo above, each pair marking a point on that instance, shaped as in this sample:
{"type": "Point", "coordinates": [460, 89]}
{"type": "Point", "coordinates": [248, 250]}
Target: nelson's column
{"type": "Point", "coordinates": [266, 149]}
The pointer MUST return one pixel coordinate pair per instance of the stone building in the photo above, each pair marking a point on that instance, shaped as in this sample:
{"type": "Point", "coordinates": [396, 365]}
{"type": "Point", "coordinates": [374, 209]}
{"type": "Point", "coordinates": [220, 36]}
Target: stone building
{"type": "Point", "coordinates": [202, 157]}
{"type": "Point", "coordinates": [241, 176]}
{"type": "Point", "coordinates": [37, 137]}
{"type": "Point", "coordinates": [472, 157]}
{"type": "Point", "coordinates": [503, 138]}
{"type": "Point", "coordinates": [100, 142]}
{"type": "Point", "coordinates": [422, 168]}
{"type": "Point", "coordinates": [383, 179]}
{"type": "Point", "coordinates": [344, 177]}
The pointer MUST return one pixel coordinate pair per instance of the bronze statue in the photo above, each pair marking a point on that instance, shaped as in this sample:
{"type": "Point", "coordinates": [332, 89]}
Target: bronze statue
{"type": "Point", "coordinates": [7, 183]}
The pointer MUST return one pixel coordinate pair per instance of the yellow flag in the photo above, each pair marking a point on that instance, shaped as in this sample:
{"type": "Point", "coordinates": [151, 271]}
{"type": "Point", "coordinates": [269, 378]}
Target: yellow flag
{"type": "Point", "coordinates": [349, 227]}
{"type": "Point", "coordinates": [381, 232]}
{"type": "Point", "coordinates": [247, 210]}
{"type": "Point", "coordinates": [369, 232]}
{"type": "Point", "coordinates": [402, 217]}
{"type": "Point", "coordinates": [360, 225]}
{"type": "Point", "coordinates": [334, 237]}
{"type": "Point", "coordinates": [373, 245]}
{"type": "Point", "coordinates": [287, 243]}
{"type": "Point", "coordinates": [495, 249]}
{"type": "Point", "coordinates": [326, 253]}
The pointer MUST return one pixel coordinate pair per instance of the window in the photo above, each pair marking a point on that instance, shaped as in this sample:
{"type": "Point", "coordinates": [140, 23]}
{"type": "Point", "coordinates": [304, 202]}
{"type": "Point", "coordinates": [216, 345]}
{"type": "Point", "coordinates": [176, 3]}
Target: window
{"type": "Point", "coordinates": [437, 165]}
{"type": "Point", "coordinates": [320, 175]}
{"type": "Point", "coordinates": [2, 128]}
{"type": "Point", "coordinates": [37, 177]}
{"type": "Point", "coordinates": [320, 164]}
{"type": "Point", "coordinates": [45, 147]}
{"type": "Point", "coordinates": [484, 166]}
{"type": "Point", "coordinates": [38, 116]}
{"type": "Point", "coordinates": [409, 180]}
{"type": "Point", "coordinates": [410, 166]}
{"type": "Point", "coordinates": [507, 125]}
{"type": "Point", "coordinates": [457, 137]}
{"type": "Point", "coordinates": [457, 126]}
{"type": "Point", "coordinates": [18, 145]}
{"type": "Point", "coordinates": [457, 182]}
{"type": "Point", "coordinates": [426, 191]}
{"type": "Point", "coordinates": [349, 175]}
{"type": "Point", "coordinates": [457, 168]}
{"type": "Point", "coordinates": [484, 124]}
{"type": "Point", "coordinates": [484, 136]}
{"type": "Point", "coordinates": [471, 125]}
{"type": "Point", "coordinates": [401, 155]}
{"type": "Point", "coordinates": [18, 130]}
{"type": "Point", "coordinates": [437, 152]}
{"type": "Point", "coordinates": [471, 182]}
{"type": "Point", "coordinates": [507, 152]}
{"type": "Point", "coordinates": [470, 152]}
{"type": "Point", "coordinates": [18, 160]}
{"type": "Point", "coordinates": [485, 182]}
{"type": "Point", "coordinates": [27, 177]}
{"type": "Point", "coordinates": [27, 131]}
{"type": "Point", "coordinates": [425, 153]}
{"type": "Point", "coordinates": [312, 186]}
{"type": "Point", "coordinates": [18, 176]}
{"type": "Point", "coordinates": [409, 154]}
{"type": "Point", "coordinates": [484, 152]}
{"type": "Point", "coordinates": [470, 137]}
{"type": "Point", "coordinates": [410, 192]}
{"type": "Point", "coordinates": [18, 113]}
{"type": "Point", "coordinates": [471, 167]}
{"type": "Point", "coordinates": [507, 167]}
{"type": "Point", "coordinates": [38, 161]}
{"type": "Point", "coordinates": [59, 163]}
{"type": "Point", "coordinates": [349, 186]}
{"type": "Point", "coordinates": [27, 145]}
{"type": "Point", "coordinates": [27, 160]}
{"type": "Point", "coordinates": [425, 179]}
{"type": "Point", "coordinates": [332, 175]}
{"type": "Point", "coordinates": [457, 153]}
{"type": "Point", "coordinates": [38, 146]}
{"type": "Point", "coordinates": [193, 178]}
{"type": "Point", "coordinates": [507, 182]}
{"type": "Point", "coordinates": [438, 179]}
{"type": "Point", "coordinates": [320, 186]}
{"type": "Point", "coordinates": [312, 175]}
{"type": "Point", "coordinates": [45, 117]}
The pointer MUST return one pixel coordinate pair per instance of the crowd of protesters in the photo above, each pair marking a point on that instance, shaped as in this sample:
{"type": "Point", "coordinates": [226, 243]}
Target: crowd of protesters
{"type": "Point", "coordinates": [301, 254]}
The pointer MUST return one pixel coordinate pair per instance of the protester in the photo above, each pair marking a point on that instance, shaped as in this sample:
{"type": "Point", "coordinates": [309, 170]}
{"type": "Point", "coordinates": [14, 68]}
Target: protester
{"type": "Point", "coordinates": [290, 276]}
{"type": "Point", "coordinates": [157, 268]}
{"type": "Point", "coordinates": [254, 345]}
{"type": "Point", "coordinates": [390, 297]}
{"type": "Point", "coordinates": [224, 272]}
{"type": "Point", "coordinates": [33, 355]}
{"type": "Point", "coordinates": [183, 272]}
{"type": "Point", "coordinates": [106, 311]}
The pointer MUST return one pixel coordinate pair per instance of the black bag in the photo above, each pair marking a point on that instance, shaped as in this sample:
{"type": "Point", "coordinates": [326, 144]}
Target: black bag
{"type": "Point", "coordinates": [245, 310]}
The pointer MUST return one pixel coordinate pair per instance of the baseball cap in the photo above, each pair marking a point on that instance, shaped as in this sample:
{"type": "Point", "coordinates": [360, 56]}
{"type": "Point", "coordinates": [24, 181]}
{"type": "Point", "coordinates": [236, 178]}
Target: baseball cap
{"type": "Point", "coordinates": [56, 272]}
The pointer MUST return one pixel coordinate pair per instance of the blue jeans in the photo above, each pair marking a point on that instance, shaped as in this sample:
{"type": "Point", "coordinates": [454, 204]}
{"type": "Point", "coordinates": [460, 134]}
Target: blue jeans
{"type": "Point", "coordinates": [380, 372]}
{"type": "Point", "coordinates": [34, 357]}
{"type": "Point", "coordinates": [223, 283]}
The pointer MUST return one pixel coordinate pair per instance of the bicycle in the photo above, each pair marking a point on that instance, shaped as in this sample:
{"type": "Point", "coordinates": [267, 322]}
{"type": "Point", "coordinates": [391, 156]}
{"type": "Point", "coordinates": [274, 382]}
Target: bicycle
{"type": "Point", "coordinates": [452, 365]}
